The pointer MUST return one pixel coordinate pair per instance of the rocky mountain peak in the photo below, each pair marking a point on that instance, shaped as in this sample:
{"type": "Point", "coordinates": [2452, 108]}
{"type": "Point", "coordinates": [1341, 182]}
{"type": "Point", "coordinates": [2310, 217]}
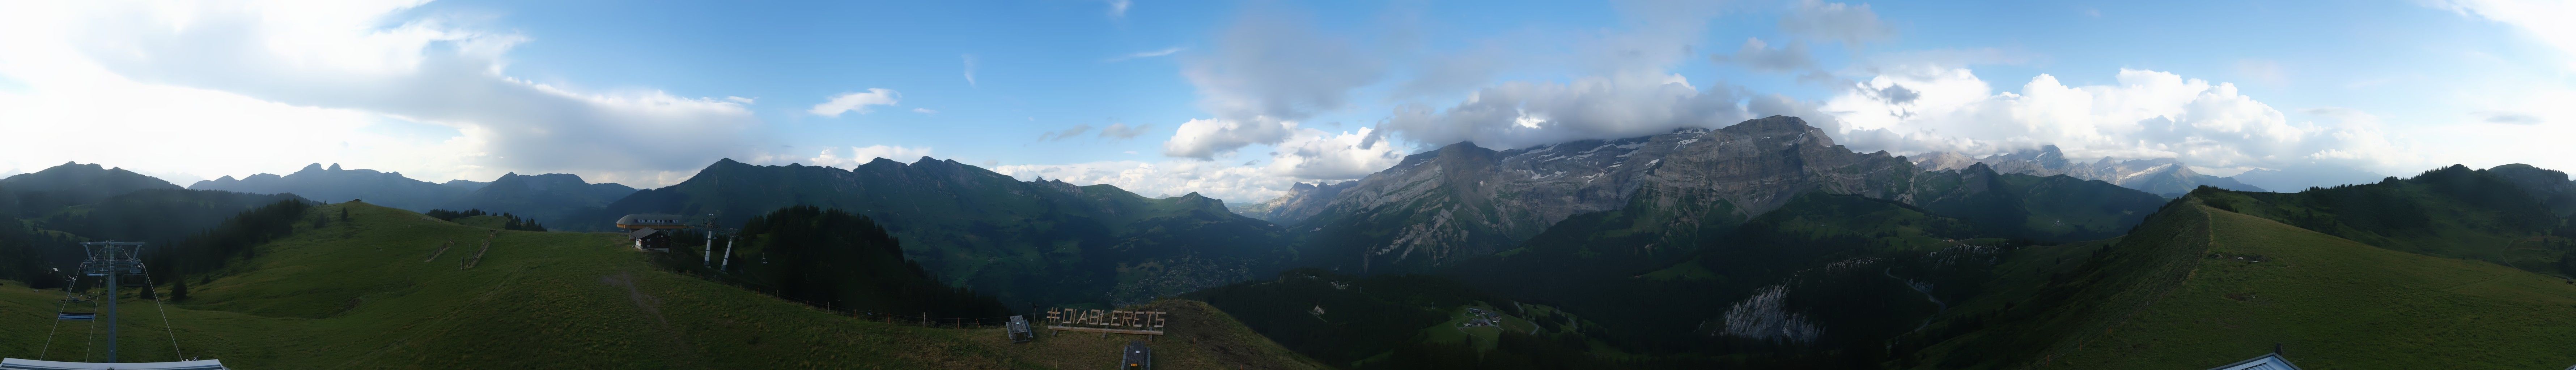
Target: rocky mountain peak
{"type": "Point", "coordinates": [1478, 199]}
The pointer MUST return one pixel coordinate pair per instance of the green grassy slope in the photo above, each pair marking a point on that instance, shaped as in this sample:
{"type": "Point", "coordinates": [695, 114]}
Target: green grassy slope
{"type": "Point", "coordinates": [2452, 212]}
{"type": "Point", "coordinates": [1046, 242]}
{"type": "Point", "coordinates": [2197, 286]}
{"type": "Point", "coordinates": [2341, 304]}
{"type": "Point", "coordinates": [369, 294]}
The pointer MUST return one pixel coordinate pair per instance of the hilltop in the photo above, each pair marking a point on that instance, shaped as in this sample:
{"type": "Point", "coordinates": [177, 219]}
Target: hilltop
{"type": "Point", "coordinates": [2198, 285]}
{"type": "Point", "coordinates": [390, 288]}
{"type": "Point", "coordinates": [1025, 242]}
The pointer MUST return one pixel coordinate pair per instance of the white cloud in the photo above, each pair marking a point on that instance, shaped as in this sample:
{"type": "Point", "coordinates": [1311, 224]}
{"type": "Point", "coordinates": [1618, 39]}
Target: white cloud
{"type": "Point", "coordinates": [2262, 70]}
{"type": "Point", "coordinates": [738, 100]}
{"type": "Point", "coordinates": [1270, 69]}
{"type": "Point", "coordinates": [1145, 54]}
{"type": "Point", "coordinates": [1521, 114]}
{"type": "Point", "coordinates": [1118, 8]}
{"type": "Point", "coordinates": [1850, 24]}
{"type": "Point", "coordinates": [857, 101]}
{"type": "Point", "coordinates": [1066, 133]}
{"type": "Point", "coordinates": [1759, 56]}
{"type": "Point", "coordinates": [1628, 89]}
{"type": "Point", "coordinates": [1205, 138]}
{"type": "Point", "coordinates": [2544, 19]}
{"type": "Point", "coordinates": [1165, 178]}
{"type": "Point", "coordinates": [1318, 155]}
{"type": "Point", "coordinates": [1117, 131]}
{"type": "Point", "coordinates": [1307, 155]}
{"type": "Point", "coordinates": [970, 68]}
{"type": "Point", "coordinates": [862, 155]}
{"type": "Point", "coordinates": [2146, 114]}
{"type": "Point", "coordinates": [924, 111]}
{"type": "Point", "coordinates": [371, 84]}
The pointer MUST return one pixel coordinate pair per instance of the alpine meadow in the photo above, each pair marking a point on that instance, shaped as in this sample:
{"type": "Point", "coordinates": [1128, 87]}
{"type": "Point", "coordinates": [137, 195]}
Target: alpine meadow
{"type": "Point", "coordinates": [1287, 185]}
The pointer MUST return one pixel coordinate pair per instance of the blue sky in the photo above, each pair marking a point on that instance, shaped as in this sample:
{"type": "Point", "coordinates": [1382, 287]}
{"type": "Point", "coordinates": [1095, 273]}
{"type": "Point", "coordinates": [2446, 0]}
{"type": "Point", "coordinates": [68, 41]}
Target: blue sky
{"type": "Point", "coordinates": [1240, 99]}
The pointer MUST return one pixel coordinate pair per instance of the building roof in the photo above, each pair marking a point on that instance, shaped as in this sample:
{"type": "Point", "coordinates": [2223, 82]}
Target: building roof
{"type": "Point", "coordinates": [2268, 361]}
{"type": "Point", "coordinates": [26, 364]}
{"type": "Point", "coordinates": [651, 219]}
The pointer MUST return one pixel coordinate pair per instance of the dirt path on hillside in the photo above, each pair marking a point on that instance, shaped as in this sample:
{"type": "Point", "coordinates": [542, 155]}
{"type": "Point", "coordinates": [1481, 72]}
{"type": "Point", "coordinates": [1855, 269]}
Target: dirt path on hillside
{"type": "Point", "coordinates": [649, 305]}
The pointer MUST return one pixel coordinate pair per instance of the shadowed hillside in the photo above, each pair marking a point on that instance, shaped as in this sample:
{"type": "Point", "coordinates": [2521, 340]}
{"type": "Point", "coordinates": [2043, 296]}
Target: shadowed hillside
{"type": "Point", "coordinates": [2201, 286]}
{"type": "Point", "coordinates": [392, 288]}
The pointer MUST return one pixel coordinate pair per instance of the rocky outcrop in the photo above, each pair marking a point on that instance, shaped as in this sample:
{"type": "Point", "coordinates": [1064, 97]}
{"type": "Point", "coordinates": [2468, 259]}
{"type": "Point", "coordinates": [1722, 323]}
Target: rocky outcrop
{"type": "Point", "coordinates": [1463, 200]}
{"type": "Point", "coordinates": [1765, 316]}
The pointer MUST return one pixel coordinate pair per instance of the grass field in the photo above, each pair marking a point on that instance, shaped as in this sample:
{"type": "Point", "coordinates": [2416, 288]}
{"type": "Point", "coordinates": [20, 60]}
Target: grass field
{"type": "Point", "coordinates": [2196, 287]}
{"type": "Point", "coordinates": [367, 293]}
{"type": "Point", "coordinates": [2339, 304]}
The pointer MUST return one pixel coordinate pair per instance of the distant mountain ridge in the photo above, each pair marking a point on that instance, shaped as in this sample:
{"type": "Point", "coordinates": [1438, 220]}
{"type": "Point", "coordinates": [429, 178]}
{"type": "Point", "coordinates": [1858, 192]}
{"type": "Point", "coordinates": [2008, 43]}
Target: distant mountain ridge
{"type": "Point", "coordinates": [73, 183]}
{"type": "Point", "coordinates": [1464, 201]}
{"type": "Point", "coordinates": [1043, 241]}
{"type": "Point", "coordinates": [2161, 176]}
{"type": "Point", "coordinates": [547, 197]}
{"type": "Point", "coordinates": [1303, 200]}
{"type": "Point", "coordinates": [333, 184]}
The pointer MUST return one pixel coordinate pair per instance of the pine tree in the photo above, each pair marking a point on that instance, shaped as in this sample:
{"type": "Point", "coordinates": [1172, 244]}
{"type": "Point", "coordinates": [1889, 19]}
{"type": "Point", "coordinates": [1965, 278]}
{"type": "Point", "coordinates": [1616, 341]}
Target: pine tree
{"type": "Point", "coordinates": [179, 289]}
{"type": "Point", "coordinates": [344, 213]}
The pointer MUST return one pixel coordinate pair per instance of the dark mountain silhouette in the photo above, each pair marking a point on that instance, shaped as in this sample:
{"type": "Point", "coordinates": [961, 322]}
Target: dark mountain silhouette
{"type": "Point", "coordinates": [547, 198]}
{"type": "Point", "coordinates": [333, 184]}
{"type": "Point", "coordinates": [70, 184]}
{"type": "Point", "coordinates": [1025, 241]}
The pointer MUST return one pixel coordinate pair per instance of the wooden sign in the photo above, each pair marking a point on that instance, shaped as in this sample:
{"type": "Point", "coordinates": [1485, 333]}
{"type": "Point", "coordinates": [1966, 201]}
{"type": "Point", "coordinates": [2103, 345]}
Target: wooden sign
{"type": "Point", "coordinates": [1107, 321]}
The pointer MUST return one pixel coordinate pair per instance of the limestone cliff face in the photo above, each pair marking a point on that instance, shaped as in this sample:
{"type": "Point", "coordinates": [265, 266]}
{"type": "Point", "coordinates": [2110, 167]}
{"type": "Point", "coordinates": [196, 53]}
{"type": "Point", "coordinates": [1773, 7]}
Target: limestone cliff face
{"type": "Point", "coordinates": [1462, 200]}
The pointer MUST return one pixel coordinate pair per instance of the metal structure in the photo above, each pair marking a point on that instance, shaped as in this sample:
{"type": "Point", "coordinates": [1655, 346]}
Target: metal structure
{"type": "Point", "coordinates": [707, 254]}
{"type": "Point", "coordinates": [26, 364]}
{"type": "Point", "coordinates": [112, 260]}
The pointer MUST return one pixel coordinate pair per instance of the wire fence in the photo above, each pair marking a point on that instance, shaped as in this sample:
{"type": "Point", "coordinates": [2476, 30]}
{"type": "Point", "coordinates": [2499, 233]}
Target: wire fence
{"type": "Point", "coordinates": [921, 320]}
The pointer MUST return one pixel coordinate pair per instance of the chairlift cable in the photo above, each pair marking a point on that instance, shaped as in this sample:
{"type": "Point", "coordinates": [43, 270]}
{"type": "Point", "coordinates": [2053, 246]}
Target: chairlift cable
{"type": "Point", "coordinates": [92, 339]}
{"type": "Point", "coordinates": [165, 314]}
{"type": "Point", "coordinates": [58, 318]}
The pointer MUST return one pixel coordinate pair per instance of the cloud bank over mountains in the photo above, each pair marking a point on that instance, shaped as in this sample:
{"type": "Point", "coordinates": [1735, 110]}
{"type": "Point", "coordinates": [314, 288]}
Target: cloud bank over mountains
{"type": "Point", "coordinates": [1906, 102]}
{"type": "Point", "coordinates": [2144, 114]}
{"type": "Point", "coordinates": [1281, 95]}
{"type": "Point", "coordinates": [360, 80]}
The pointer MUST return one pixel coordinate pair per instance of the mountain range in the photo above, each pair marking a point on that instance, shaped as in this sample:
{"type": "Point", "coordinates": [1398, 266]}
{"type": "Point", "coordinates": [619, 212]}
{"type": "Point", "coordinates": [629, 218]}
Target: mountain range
{"type": "Point", "coordinates": [547, 197]}
{"type": "Point", "coordinates": [1025, 241]}
{"type": "Point", "coordinates": [1464, 201]}
{"type": "Point", "coordinates": [2161, 176]}
{"type": "Point", "coordinates": [1761, 244]}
